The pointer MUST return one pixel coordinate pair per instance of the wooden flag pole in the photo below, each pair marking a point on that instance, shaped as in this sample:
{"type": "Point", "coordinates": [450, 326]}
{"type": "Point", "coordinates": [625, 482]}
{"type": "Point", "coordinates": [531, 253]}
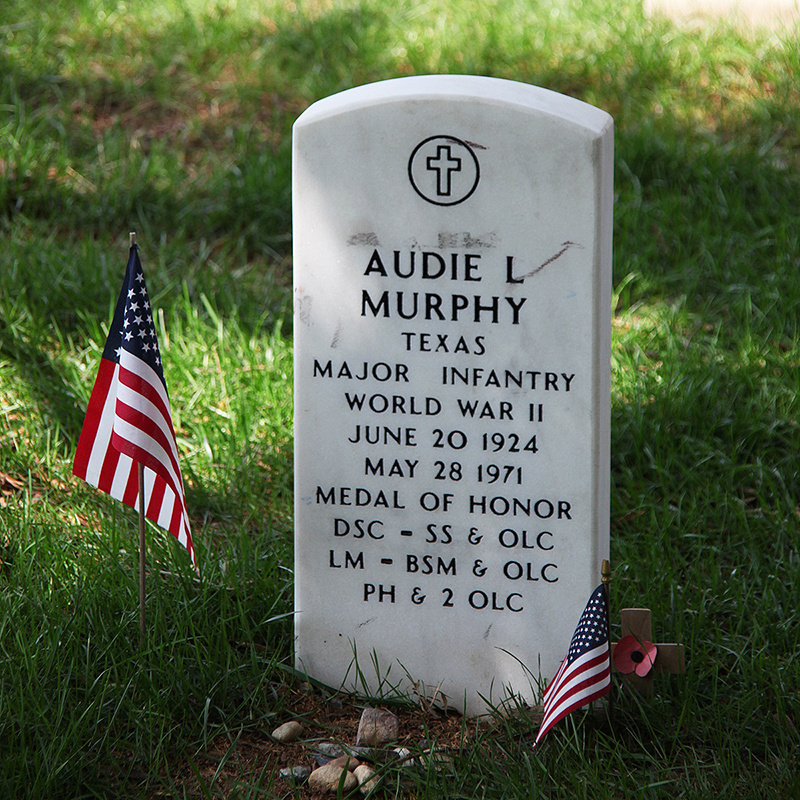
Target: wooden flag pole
{"type": "Point", "coordinates": [142, 595]}
{"type": "Point", "coordinates": [605, 572]}
{"type": "Point", "coordinates": [142, 544]}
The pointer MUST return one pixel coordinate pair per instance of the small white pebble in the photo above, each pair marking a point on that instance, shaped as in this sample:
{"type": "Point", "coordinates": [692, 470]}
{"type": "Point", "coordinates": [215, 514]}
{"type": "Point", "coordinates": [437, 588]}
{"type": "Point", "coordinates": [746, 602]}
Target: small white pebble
{"type": "Point", "coordinates": [288, 732]}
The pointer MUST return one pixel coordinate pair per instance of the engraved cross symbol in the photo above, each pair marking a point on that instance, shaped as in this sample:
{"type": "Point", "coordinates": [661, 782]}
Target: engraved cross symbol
{"type": "Point", "coordinates": [443, 163]}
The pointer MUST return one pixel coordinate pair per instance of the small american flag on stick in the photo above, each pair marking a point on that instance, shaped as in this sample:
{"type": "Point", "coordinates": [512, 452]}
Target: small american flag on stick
{"type": "Point", "coordinates": [585, 674]}
{"type": "Point", "coordinates": [129, 421]}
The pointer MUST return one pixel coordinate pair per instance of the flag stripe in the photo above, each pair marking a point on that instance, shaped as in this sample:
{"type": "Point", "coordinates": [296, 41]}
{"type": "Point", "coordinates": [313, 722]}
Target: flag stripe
{"type": "Point", "coordinates": [109, 478]}
{"type": "Point", "coordinates": [556, 678]}
{"type": "Point", "coordinates": [565, 711]}
{"type": "Point", "coordinates": [148, 451]}
{"type": "Point", "coordinates": [143, 430]}
{"type": "Point", "coordinates": [138, 392]}
{"type": "Point", "coordinates": [585, 674]}
{"type": "Point", "coordinates": [94, 418]}
{"type": "Point", "coordinates": [587, 664]}
{"type": "Point", "coordinates": [128, 420]}
{"type": "Point", "coordinates": [136, 435]}
{"type": "Point", "coordinates": [579, 684]}
{"type": "Point", "coordinates": [588, 691]}
{"type": "Point", "coordinates": [138, 380]}
{"type": "Point", "coordinates": [156, 501]}
{"type": "Point", "coordinates": [128, 480]}
{"type": "Point", "coordinates": [175, 523]}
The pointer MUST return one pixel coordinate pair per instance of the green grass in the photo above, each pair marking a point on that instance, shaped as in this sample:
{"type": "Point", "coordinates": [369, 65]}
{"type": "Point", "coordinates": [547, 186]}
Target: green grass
{"type": "Point", "coordinates": [173, 119]}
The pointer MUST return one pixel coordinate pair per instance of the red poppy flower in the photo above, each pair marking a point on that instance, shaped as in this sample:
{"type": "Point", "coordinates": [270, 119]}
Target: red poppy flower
{"type": "Point", "coordinates": [633, 655]}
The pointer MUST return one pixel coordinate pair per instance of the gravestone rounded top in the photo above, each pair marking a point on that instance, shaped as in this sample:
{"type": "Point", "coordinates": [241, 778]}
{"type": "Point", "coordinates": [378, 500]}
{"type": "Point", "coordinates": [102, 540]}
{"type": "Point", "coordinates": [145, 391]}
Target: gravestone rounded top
{"type": "Point", "coordinates": [452, 291]}
{"type": "Point", "coordinates": [461, 88]}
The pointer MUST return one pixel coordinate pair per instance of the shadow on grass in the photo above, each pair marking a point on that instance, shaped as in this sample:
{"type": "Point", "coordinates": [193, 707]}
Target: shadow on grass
{"type": "Point", "coordinates": [705, 208]}
{"type": "Point", "coordinates": [101, 155]}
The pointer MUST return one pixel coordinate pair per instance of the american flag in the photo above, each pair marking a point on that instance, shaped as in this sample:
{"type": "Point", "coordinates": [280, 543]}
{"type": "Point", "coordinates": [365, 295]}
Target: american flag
{"type": "Point", "coordinates": [129, 421]}
{"type": "Point", "coordinates": [585, 674]}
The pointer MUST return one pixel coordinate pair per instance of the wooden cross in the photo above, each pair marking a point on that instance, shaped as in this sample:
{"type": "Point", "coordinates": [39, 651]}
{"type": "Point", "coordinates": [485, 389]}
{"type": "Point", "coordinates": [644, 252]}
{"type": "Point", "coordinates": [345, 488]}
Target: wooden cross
{"type": "Point", "coordinates": [669, 659]}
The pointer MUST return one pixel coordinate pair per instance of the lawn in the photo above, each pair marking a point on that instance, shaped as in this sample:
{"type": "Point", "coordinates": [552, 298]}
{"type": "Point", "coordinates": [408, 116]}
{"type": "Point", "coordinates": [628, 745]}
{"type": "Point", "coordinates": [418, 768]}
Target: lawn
{"type": "Point", "coordinates": [173, 119]}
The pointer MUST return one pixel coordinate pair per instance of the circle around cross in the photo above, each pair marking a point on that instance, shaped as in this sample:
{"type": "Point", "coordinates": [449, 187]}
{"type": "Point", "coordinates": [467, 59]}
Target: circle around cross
{"type": "Point", "coordinates": [443, 170]}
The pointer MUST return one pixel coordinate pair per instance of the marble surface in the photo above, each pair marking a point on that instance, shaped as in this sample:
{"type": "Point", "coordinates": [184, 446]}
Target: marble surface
{"type": "Point", "coordinates": [452, 318]}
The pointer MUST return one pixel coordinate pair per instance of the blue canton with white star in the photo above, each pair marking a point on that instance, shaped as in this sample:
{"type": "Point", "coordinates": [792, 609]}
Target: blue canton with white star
{"type": "Point", "coordinates": [132, 327]}
{"type": "Point", "coordinates": [592, 630]}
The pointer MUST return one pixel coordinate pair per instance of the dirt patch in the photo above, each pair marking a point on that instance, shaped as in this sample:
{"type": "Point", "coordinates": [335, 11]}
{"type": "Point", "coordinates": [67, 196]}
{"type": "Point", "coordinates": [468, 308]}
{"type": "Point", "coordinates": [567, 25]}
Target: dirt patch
{"type": "Point", "coordinates": [252, 759]}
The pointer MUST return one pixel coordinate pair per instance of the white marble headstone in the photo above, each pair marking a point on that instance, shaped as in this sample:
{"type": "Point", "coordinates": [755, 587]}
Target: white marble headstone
{"type": "Point", "coordinates": [452, 262]}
